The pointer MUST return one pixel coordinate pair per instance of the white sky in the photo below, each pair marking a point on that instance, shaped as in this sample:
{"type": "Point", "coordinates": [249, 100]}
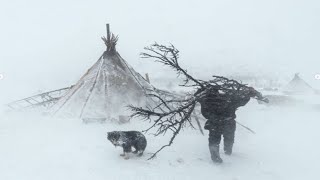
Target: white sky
{"type": "Point", "coordinates": [49, 44]}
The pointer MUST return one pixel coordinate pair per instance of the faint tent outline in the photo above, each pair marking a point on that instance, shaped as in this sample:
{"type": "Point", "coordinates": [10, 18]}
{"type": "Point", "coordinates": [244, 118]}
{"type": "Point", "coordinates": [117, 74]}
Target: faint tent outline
{"type": "Point", "coordinates": [298, 86]}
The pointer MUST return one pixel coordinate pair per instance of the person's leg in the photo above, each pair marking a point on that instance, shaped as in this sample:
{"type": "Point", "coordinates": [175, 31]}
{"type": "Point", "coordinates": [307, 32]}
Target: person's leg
{"type": "Point", "coordinates": [228, 136]}
{"type": "Point", "coordinates": [214, 141]}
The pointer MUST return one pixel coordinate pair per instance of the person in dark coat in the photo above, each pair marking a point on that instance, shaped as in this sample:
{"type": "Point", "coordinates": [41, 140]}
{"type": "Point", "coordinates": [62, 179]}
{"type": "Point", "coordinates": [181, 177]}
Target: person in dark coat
{"type": "Point", "coordinates": [220, 111]}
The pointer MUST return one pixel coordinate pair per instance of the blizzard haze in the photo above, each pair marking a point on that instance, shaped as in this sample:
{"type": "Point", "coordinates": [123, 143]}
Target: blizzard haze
{"type": "Point", "coordinates": [50, 44]}
{"type": "Point", "coordinates": [47, 45]}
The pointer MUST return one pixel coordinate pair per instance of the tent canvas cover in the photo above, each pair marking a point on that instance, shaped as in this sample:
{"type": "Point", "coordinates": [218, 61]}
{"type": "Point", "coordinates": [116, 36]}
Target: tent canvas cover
{"type": "Point", "coordinates": [298, 85]}
{"type": "Point", "coordinates": [106, 89]}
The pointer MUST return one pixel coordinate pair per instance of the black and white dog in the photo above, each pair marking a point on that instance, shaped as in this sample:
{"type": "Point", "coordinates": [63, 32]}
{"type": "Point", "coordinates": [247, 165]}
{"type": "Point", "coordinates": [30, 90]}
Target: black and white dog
{"type": "Point", "coordinates": [127, 140]}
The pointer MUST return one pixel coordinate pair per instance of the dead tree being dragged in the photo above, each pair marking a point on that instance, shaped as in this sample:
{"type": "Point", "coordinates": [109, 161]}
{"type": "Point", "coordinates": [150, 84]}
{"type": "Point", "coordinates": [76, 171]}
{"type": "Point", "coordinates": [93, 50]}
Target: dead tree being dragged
{"type": "Point", "coordinates": [175, 114]}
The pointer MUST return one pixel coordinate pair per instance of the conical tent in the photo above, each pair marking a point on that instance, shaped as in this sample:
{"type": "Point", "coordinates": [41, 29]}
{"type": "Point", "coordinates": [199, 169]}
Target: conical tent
{"type": "Point", "coordinates": [106, 90]}
{"type": "Point", "coordinates": [298, 85]}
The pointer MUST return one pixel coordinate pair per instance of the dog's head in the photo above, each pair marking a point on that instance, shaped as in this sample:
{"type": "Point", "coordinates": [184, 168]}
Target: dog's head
{"type": "Point", "coordinates": [113, 137]}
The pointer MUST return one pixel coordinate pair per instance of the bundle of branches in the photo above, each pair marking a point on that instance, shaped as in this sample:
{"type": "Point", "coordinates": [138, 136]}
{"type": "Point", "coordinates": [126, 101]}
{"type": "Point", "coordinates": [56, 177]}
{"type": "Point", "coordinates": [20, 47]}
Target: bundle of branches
{"type": "Point", "coordinates": [110, 43]}
{"type": "Point", "coordinates": [174, 114]}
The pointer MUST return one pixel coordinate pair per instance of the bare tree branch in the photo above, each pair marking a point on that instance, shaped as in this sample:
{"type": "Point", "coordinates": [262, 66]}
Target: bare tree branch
{"type": "Point", "coordinates": [174, 114]}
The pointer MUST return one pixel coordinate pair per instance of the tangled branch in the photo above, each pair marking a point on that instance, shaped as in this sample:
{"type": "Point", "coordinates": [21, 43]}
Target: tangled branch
{"type": "Point", "coordinates": [176, 116]}
{"type": "Point", "coordinates": [173, 115]}
{"type": "Point", "coordinates": [110, 43]}
{"type": "Point", "coordinates": [169, 55]}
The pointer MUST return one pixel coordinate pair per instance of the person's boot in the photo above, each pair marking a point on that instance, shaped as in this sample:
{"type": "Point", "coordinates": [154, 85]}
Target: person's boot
{"type": "Point", "coordinates": [215, 155]}
{"type": "Point", "coordinates": [228, 148]}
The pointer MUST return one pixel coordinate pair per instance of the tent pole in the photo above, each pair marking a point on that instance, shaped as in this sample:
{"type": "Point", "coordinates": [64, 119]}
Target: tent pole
{"type": "Point", "coordinates": [108, 32]}
{"type": "Point", "coordinates": [147, 78]}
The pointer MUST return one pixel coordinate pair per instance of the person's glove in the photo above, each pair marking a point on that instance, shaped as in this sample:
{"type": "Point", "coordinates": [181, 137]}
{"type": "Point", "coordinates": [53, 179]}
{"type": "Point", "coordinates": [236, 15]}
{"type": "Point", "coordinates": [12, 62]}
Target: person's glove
{"type": "Point", "coordinates": [264, 99]}
{"type": "Point", "coordinates": [254, 93]}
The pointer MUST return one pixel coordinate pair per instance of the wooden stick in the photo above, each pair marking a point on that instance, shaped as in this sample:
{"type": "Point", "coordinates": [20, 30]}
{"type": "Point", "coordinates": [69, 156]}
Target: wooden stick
{"type": "Point", "coordinates": [147, 78]}
{"type": "Point", "coordinates": [246, 127]}
{"type": "Point", "coordinates": [108, 32]}
{"type": "Point", "coordinates": [198, 122]}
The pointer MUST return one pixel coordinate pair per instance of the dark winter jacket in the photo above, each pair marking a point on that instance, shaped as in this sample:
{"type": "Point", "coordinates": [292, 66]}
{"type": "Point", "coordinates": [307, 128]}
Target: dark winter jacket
{"type": "Point", "coordinates": [216, 105]}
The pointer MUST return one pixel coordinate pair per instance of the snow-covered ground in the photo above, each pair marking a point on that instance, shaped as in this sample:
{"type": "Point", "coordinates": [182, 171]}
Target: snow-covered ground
{"type": "Point", "coordinates": [285, 146]}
